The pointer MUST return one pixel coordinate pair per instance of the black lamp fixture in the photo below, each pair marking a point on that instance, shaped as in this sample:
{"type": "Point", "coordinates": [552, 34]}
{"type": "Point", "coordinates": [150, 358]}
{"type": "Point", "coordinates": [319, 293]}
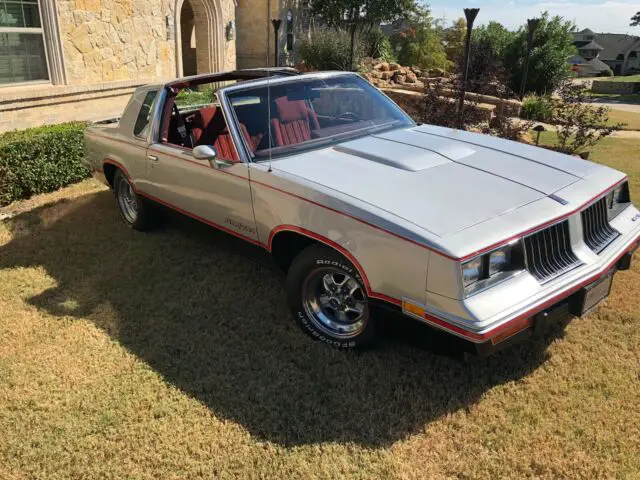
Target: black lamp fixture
{"type": "Point", "coordinates": [276, 22]}
{"type": "Point", "coordinates": [538, 129]}
{"type": "Point", "coordinates": [470, 14]}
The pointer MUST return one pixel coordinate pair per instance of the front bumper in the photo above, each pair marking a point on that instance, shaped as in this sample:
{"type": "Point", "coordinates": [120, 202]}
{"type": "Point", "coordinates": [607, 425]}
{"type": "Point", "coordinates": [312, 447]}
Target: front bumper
{"type": "Point", "coordinates": [541, 321]}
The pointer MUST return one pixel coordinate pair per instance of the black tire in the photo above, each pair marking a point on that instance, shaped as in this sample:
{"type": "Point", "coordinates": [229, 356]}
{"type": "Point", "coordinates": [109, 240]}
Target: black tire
{"type": "Point", "coordinates": [313, 273]}
{"type": "Point", "coordinates": [136, 212]}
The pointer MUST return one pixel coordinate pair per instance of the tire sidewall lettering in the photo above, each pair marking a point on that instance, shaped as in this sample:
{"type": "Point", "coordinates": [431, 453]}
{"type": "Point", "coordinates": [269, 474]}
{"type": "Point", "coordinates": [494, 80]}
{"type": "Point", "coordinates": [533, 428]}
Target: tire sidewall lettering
{"type": "Point", "coordinates": [304, 320]}
{"type": "Point", "coordinates": [342, 266]}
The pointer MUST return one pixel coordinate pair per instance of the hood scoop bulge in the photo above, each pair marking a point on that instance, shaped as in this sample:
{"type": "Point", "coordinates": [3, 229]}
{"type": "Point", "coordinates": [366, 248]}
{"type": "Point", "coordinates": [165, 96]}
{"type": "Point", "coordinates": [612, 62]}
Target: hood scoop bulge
{"type": "Point", "coordinates": [393, 154]}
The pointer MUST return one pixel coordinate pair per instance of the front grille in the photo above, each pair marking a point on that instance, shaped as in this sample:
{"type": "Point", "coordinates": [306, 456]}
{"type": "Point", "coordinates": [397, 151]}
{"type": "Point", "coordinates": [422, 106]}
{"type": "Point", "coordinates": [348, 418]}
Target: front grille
{"type": "Point", "coordinates": [595, 226]}
{"type": "Point", "coordinates": [549, 253]}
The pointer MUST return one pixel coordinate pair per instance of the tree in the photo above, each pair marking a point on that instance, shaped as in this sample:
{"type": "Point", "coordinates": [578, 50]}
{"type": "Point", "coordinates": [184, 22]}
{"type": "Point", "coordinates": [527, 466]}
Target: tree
{"type": "Point", "coordinates": [495, 36]}
{"type": "Point", "coordinates": [552, 46]}
{"type": "Point", "coordinates": [635, 20]}
{"type": "Point", "coordinates": [579, 125]}
{"type": "Point", "coordinates": [487, 71]}
{"type": "Point", "coordinates": [453, 39]}
{"type": "Point", "coordinates": [360, 15]}
{"type": "Point", "coordinates": [420, 45]}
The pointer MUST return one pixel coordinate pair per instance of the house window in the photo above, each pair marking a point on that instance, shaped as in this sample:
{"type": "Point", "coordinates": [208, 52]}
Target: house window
{"type": "Point", "coordinates": [22, 53]}
{"type": "Point", "coordinates": [289, 31]}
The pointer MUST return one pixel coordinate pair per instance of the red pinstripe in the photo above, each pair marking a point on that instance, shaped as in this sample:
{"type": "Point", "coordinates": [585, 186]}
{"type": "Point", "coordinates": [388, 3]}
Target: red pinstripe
{"type": "Point", "coordinates": [439, 252]}
{"type": "Point", "coordinates": [443, 324]}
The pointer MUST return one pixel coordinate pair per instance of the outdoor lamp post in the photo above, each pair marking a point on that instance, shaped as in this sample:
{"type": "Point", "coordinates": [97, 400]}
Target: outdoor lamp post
{"type": "Point", "coordinates": [538, 129]}
{"type": "Point", "coordinates": [276, 27]}
{"type": "Point", "coordinates": [470, 14]}
{"type": "Point", "coordinates": [532, 24]}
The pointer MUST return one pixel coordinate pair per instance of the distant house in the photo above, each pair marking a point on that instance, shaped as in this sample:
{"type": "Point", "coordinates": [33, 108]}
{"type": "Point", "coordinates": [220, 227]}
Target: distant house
{"type": "Point", "coordinates": [598, 52]}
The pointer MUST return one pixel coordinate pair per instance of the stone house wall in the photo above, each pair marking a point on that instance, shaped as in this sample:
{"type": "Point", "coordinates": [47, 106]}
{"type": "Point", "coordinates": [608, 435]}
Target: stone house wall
{"type": "Point", "coordinates": [110, 40]}
{"type": "Point", "coordinates": [108, 48]}
{"type": "Point", "coordinates": [256, 44]}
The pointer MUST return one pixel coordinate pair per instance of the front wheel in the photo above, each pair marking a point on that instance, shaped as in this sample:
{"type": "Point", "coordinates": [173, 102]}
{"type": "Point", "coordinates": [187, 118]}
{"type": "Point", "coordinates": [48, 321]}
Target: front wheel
{"type": "Point", "coordinates": [328, 299]}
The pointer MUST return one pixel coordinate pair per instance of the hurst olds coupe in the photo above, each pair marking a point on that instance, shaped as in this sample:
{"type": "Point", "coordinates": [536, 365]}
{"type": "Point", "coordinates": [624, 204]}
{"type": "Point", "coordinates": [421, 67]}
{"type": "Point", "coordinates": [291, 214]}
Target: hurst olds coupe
{"type": "Point", "coordinates": [483, 238]}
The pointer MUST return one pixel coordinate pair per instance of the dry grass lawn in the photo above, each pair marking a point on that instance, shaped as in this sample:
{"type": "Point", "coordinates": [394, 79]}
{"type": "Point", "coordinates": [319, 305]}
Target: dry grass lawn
{"type": "Point", "coordinates": [173, 355]}
{"type": "Point", "coordinates": [631, 120]}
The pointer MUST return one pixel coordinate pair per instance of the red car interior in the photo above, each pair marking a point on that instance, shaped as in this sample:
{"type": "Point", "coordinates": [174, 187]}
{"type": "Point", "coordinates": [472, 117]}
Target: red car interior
{"type": "Point", "coordinates": [294, 122]}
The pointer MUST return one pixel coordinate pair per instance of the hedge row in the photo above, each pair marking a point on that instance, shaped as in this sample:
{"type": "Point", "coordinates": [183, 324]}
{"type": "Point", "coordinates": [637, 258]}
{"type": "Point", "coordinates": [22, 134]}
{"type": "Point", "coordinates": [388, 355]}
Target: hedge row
{"type": "Point", "coordinates": [41, 159]}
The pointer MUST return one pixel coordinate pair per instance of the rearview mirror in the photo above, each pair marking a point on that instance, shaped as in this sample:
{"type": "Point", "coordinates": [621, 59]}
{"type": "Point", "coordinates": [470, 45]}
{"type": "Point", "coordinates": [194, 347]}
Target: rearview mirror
{"type": "Point", "coordinates": [204, 152]}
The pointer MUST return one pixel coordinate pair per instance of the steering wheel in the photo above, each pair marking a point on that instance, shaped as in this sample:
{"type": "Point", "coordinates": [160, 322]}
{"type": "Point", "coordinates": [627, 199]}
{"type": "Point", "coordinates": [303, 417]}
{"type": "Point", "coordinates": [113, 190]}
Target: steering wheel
{"type": "Point", "coordinates": [350, 116]}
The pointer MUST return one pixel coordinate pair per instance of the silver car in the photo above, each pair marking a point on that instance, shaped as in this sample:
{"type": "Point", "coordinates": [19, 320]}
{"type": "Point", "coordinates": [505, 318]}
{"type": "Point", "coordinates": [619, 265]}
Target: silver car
{"type": "Point", "coordinates": [483, 238]}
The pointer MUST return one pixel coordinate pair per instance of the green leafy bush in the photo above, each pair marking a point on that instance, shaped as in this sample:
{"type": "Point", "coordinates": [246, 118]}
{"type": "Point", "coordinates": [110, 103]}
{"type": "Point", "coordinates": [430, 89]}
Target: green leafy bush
{"type": "Point", "coordinates": [202, 96]}
{"type": "Point", "coordinates": [552, 45]}
{"type": "Point", "coordinates": [41, 159]}
{"type": "Point", "coordinates": [538, 108]}
{"type": "Point", "coordinates": [378, 45]}
{"type": "Point", "coordinates": [606, 73]}
{"type": "Point", "coordinates": [329, 50]}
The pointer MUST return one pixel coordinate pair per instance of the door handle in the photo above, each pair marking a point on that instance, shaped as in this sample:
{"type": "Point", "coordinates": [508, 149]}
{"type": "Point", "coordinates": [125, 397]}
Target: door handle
{"type": "Point", "coordinates": [153, 158]}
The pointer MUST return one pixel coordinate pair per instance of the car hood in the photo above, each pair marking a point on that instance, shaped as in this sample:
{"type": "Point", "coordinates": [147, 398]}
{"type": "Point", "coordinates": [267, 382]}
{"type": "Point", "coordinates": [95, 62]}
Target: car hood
{"type": "Point", "coordinates": [438, 179]}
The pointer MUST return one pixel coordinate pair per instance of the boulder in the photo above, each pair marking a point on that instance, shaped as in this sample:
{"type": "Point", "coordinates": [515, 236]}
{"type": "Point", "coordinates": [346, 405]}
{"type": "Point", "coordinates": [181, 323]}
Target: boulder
{"type": "Point", "coordinates": [386, 75]}
{"type": "Point", "coordinates": [411, 78]}
{"type": "Point", "coordinates": [394, 67]}
{"type": "Point", "coordinates": [437, 72]}
{"type": "Point", "coordinates": [399, 78]}
{"type": "Point", "coordinates": [375, 74]}
{"type": "Point", "coordinates": [383, 67]}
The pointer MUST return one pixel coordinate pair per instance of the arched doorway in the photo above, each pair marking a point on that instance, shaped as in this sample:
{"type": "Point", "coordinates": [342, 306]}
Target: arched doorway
{"type": "Point", "coordinates": [189, 40]}
{"type": "Point", "coordinates": [199, 37]}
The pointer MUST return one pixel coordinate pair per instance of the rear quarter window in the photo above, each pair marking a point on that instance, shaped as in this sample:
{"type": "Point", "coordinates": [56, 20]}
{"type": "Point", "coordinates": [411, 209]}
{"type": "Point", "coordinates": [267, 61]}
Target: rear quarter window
{"type": "Point", "coordinates": [141, 128]}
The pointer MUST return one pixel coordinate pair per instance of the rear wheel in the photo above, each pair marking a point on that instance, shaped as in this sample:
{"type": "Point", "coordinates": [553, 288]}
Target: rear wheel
{"type": "Point", "coordinates": [328, 299]}
{"type": "Point", "coordinates": [135, 211]}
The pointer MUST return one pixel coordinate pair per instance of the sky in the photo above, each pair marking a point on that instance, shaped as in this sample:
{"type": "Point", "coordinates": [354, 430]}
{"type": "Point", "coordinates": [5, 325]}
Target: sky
{"type": "Point", "coordinates": [609, 16]}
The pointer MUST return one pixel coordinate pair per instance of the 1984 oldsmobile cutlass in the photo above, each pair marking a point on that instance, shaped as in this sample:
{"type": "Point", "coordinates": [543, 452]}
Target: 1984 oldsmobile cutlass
{"type": "Point", "coordinates": [483, 238]}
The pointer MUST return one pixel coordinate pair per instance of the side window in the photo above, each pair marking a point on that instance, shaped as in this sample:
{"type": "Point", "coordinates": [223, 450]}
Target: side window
{"type": "Point", "coordinates": [144, 117]}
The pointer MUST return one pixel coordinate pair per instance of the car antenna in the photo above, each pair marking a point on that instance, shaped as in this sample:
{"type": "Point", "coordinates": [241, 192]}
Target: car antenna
{"type": "Point", "coordinates": [269, 170]}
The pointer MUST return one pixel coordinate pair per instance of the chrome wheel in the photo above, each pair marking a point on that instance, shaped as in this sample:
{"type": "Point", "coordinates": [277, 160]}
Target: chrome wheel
{"type": "Point", "coordinates": [127, 201]}
{"type": "Point", "coordinates": [335, 302]}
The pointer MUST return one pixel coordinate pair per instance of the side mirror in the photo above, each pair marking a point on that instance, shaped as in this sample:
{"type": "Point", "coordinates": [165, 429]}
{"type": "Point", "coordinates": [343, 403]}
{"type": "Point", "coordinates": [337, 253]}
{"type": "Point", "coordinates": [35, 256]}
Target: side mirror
{"type": "Point", "coordinates": [204, 152]}
{"type": "Point", "coordinates": [207, 152]}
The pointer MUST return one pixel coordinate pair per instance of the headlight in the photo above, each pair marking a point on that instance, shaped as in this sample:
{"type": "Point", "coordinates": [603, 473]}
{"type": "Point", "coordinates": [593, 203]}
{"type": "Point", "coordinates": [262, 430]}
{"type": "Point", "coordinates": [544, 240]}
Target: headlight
{"type": "Point", "coordinates": [499, 260]}
{"type": "Point", "coordinates": [618, 199]}
{"type": "Point", "coordinates": [472, 271]}
{"type": "Point", "coordinates": [492, 268]}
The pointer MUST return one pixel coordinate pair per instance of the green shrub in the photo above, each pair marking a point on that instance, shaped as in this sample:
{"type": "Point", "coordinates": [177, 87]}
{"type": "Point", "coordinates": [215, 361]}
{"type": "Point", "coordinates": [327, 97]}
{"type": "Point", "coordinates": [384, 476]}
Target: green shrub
{"type": "Point", "coordinates": [538, 108]}
{"type": "Point", "coordinates": [41, 159]}
{"type": "Point", "coordinates": [329, 49]}
{"type": "Point", "coordinates": [377, 45]}
{"type": "Point", "coordinates": [203, 96]}
{"type": "Point", "coordinates": [606, 73]}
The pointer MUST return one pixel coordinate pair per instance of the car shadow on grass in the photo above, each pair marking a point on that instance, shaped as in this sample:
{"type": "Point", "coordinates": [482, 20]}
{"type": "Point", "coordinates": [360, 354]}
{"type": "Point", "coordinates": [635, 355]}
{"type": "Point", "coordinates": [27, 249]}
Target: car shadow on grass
{"type": "Point", "coordinates": [208, 312]}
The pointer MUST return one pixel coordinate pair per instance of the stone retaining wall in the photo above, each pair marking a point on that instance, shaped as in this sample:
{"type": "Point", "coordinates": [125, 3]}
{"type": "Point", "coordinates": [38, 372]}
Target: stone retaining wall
{"type": "Point", "coordinates": [411, 102]}
{"type": "Point", "coordinates": [608, 86]}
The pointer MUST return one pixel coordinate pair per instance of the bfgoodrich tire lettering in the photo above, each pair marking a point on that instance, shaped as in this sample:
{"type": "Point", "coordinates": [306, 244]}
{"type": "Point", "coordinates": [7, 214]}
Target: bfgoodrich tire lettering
{"type": "Point", "coordinates": [328, 299]}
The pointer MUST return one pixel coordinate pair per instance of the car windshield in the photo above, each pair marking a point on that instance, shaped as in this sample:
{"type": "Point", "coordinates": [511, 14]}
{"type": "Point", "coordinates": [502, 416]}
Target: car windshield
{"type": "Point", "coordinates": [308, 113]}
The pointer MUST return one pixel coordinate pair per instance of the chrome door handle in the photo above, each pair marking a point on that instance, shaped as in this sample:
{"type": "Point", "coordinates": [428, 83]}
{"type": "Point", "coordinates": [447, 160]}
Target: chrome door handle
{"type": "Point", "coordinates": [153, 158]}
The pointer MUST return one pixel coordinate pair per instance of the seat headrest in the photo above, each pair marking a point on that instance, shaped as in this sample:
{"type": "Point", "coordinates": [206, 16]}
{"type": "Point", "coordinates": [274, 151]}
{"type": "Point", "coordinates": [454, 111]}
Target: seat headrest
{"type": "Point", "coordinates": [291, 110]}
{"type": "Point", "coordinates": [203, 116]}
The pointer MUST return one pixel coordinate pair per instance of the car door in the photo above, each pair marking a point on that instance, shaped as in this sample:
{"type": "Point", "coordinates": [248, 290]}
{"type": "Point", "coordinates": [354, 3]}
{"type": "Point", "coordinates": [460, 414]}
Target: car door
{"type": "Point", "coordinates": [216, 194]}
